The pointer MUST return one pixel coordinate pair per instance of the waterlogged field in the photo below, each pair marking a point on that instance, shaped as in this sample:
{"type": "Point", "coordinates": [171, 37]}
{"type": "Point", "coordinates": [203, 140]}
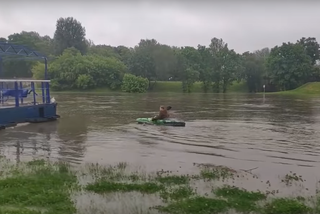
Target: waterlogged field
{"type": "Point", "coordinates": [40, 186]}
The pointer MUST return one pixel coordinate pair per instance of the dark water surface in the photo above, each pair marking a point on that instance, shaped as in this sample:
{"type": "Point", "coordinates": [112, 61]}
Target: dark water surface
{"type": "Point", "coordinates": [274, 133]}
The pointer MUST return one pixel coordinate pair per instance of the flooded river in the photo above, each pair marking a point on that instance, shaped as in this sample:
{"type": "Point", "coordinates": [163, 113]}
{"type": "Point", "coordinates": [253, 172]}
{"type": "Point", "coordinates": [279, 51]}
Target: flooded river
{"type": "Point", "coordinates": [273, 134]}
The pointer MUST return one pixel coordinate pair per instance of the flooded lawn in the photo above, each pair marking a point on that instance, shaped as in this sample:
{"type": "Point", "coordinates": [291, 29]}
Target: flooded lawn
{"type": "Point", "coordinates": [53, 187]}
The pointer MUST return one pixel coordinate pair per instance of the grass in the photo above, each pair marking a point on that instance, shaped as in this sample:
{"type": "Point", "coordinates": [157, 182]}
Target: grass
{"type": "Point", "coordinates": [165, 87]}
{"type": "Point", "coordinates": [37, 187]}
{"type": "Point", "coordinates": [45, 187]}
{"type": "Point", "coordinates": [311, 88]}
{"type": "Point", "coordinates": [176, 87]}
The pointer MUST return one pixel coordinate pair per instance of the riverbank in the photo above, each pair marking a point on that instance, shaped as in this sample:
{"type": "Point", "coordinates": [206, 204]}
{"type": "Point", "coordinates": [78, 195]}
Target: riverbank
{"type": "Point", "coordinates": [165, 87]}
{"type": "Point", "coordinates": [311, 88]}
{"type": "Point", "coordinates": [45, 187]}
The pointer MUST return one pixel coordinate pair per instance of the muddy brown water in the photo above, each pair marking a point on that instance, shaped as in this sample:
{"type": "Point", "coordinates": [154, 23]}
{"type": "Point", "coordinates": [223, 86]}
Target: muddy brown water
{"type": "Point", "coordinates": [272, 133]}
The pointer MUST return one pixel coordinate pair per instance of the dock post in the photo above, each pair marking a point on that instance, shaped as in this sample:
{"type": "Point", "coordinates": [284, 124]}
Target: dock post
{"type": "Point", "coordinates": [46, 78]}
{"type": "Point", "coordinates": [21, 88]}
{"type": "Point", "coordinates": [16, 88]}
{"type": "Point", "coordinates": [1, 67]}
{"type": "Point", "coordinates": [34, 93]}
{"type": "Point", "coordinates": [42, 90]}
{"type": "Point", "coordinates": [1, 83]}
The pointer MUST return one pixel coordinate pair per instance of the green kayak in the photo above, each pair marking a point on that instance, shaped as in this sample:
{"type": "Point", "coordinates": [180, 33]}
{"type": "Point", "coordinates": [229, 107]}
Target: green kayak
{"type": "Point", "coordinates": [166, 122]}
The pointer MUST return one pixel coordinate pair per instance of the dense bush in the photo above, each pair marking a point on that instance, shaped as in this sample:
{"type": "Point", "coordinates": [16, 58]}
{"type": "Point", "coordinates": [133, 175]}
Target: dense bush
{"type": "Point", "coordinates": [72, 70]}
{"type": "Point", "coordinates": [134, 84]}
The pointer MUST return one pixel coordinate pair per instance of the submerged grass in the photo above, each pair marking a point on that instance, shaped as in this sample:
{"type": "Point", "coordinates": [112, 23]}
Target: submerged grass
{"type": "Point", "coordinates": [44, 187]}
{"type": "Point", "coordinates": [37, 186]}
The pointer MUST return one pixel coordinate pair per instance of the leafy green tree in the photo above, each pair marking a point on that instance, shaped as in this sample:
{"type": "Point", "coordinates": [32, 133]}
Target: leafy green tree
{"type": "Point", "coordinates": [230, 66]}
{"type": "Point", "coordinates": [106, 71]}
{"type": "Point", "coordinates": [38, 71]}
{"type": "Point", "coordinates": [206, 66]}
{"type": "Point", "coordinates": [152, 60]}
{"type": "Point", "coordinates": [190, 77]}
{"type": "Point", "coordinates": [124, 53]}
{"type": "Point", "coordinates": [104, 50]}
{"type": "Point", "coordinates": [312, 48]}
{"type": "Point", "coordinates": [289, 66]}
{"type": "Point", "coordinates": [18, 66]}
{"type": "Point", "coordinates": [69, 33]}
{"type": "Point", "coordinates": [134, 84]}
{"type": "Point", "coordinates": [253, 71]}
{"type": "Point", "coordinates": [186, 68]}
{"type": "Point", "coordinates": [315, 76]}
{"type": "Point", "coordinates": [224, 63]}
{"type": "Point", "coordinates": [85, 81]}
{"type": "Point", "coordinates": [217, 48]}
{"type": "Point", "coordinates": [165, 62]}
{"type": "Point", "coordinates": [33, 40]}
{"type": "Point", "coordinates": [73, 70]}
{"type": "Point", "coordinates": [3, 39]}
{"type": "Point", "coordinates": [142, 62]}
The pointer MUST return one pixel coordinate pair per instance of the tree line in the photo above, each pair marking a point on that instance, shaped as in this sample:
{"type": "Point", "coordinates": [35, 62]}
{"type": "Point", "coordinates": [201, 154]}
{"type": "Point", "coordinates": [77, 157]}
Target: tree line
{"type": "Point", "coordinates": [75, 62]}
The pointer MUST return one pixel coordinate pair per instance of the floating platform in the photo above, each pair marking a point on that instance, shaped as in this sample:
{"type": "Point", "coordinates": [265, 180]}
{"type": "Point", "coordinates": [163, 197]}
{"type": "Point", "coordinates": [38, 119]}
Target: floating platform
{"type": "Point", "coordinates": [16, 108]}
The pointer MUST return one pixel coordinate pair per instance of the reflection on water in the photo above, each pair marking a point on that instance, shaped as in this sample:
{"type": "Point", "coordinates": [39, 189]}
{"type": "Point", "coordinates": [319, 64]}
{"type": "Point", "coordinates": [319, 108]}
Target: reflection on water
{"type": "Point", "coordinates": [274, 133]}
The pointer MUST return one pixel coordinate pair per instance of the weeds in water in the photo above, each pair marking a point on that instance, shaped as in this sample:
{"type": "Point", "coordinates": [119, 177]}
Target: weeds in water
{"type": "Point", "coordinates": [237, 193]}
{"type": "Point", "coordinates": [240, 199]}
{"type": "Point", "coordinates": [106, 186]}
{"type": "Point", "coordinates": [54, 188]}
{"type": "Point", "coordinates": [216, 173]}
{"type": "Point", "coordinates": [173, 179]}
{"type": "Point", "coordinates": [178, 193]}
{"type": "Point", "coordinates": [286, 206]}
{"type": "Point", "coordinates": [292, 177]}
{"type": "Point", "coordinates": [197, 205]}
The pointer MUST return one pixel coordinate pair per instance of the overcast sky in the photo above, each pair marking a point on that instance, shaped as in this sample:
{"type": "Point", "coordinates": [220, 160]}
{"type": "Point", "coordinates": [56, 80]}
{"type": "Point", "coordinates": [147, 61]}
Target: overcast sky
{"type": "Point", "coordinates": [244, 25]}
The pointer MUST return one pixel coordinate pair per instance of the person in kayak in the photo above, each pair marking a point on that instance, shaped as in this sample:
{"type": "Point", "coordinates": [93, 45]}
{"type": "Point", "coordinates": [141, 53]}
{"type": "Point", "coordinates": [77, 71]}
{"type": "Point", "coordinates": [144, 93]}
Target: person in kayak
{"type": "Point", "coordinates": [163, 113]}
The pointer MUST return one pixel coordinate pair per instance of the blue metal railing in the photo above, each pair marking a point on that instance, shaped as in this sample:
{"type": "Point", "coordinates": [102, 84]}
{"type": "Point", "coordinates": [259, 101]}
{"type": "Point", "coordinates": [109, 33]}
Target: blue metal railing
{"type": "Point", "coordinates": [19, 93]}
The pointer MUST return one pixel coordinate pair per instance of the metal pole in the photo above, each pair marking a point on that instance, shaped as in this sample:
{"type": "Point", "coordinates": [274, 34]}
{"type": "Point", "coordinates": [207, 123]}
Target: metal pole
{"type": "Point", "coordinates": [42, 90]}
{"type": "Point", "coordinates": [34, 93]}
{"type": "Point", "coordinates": [1, 66]}
{"type": "Point", "coordinates": [21, 88]}
{"type": "Point", "coordinates": [1, 83]}
{"type": "Point", "coordinates": [46, 78]}
{"type": "Point", "coordinates": [16, 93]}
{"type": "Point", "coordinates": [45, 68]}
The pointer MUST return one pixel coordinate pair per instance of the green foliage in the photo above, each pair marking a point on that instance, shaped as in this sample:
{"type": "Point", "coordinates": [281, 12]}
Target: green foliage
{"type": "Point", "coordinates": [254, 69]}
{"type": "Point", "coordinates": [206, 65]}
{"type": "Point", "coordinates": [38, 71]}
{"type": "Point", "coordinates": [289, 66]}
{"type": "Point", "coordinates": [312, 48]}
{"type": "Point", "coordinates": [286, 206]}
{"type": "Point", "coordinates": [84, 81]}
{"type": "Point", "coordinates": [197, 205]}
{"type": "Point", "coordinates": [69, 33]}
{"type": "Point", "coordinates": [80, 64]}
{"type": "Point", "coordinates": [142, 61]}
{"type": "Point", "coordinates": [134, 84]}
{"type": "Point", "coordinates": [72, 70]}
{"type": "Point", "coordinates": [190, 77]}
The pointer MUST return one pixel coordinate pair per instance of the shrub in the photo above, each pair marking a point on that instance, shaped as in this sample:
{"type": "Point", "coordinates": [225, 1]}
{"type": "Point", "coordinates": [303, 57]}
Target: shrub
{"type": "Point", "coordinates": [134, 84]}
